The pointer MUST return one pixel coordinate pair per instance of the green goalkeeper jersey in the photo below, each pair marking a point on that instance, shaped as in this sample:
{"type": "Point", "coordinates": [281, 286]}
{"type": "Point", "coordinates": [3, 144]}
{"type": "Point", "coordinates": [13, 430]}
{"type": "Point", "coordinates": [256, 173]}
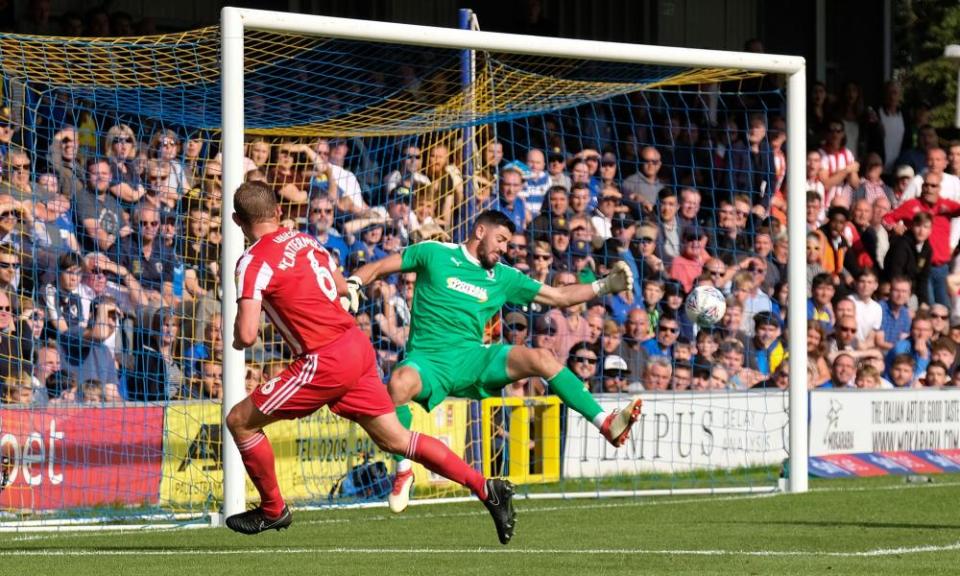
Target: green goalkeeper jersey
{"type": "Point", "coordinates": [455, 296]}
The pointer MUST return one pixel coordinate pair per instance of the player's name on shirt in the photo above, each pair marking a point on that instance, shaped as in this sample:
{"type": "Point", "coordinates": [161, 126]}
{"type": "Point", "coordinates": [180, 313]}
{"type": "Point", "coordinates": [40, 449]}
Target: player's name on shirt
{"type": "Point", "coordinates": [294, 246]}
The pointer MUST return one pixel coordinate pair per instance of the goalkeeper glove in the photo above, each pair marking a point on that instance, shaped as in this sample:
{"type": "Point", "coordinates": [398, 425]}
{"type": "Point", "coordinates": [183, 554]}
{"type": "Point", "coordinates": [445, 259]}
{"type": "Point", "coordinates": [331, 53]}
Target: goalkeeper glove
{"type": "Point", "coordinates": [351, 302]}
{"type": "Point", "coordinates": [619, 279]}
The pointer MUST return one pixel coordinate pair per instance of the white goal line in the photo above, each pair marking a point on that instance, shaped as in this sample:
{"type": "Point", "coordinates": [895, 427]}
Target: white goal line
{"type": "Point", "coordinates": [872, 553]}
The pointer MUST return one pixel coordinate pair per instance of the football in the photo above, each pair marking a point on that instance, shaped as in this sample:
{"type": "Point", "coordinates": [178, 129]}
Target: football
{"type": "Point", "coordinates": [705, 306]}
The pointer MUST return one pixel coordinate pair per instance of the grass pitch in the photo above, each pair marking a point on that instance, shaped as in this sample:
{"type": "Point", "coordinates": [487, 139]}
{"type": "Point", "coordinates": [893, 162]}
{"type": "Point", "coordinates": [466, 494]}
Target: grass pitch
{"type": "Point", "coordinates": [879, 526]}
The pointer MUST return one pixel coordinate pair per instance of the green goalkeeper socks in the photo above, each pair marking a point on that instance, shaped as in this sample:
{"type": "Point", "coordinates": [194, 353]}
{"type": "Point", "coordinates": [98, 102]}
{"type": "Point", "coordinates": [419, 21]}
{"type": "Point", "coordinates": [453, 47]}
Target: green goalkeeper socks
{"type": "Point", "coordinates": [405, 416]}
{"type": "Point", "coordinates": [570, 389]}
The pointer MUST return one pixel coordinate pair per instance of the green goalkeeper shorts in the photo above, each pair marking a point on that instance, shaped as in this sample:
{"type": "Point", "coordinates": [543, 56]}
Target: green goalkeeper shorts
{"type": "Point", "coordinates": [475, 372]}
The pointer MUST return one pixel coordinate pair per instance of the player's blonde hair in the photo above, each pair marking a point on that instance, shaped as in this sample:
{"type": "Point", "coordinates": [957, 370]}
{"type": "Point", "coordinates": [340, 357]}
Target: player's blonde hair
{"type": "Point", "coordinates": [255, 202]}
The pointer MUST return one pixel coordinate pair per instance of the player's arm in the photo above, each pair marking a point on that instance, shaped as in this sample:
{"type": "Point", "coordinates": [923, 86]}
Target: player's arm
{"type": "Point", "coordinates": [351, 289]}
{"type": "Point", "coordinates": [619, 279]}
{"type": "Point", "coordinates": [375, 270]}
{"type": "Point", "coordinates": [247, 325]}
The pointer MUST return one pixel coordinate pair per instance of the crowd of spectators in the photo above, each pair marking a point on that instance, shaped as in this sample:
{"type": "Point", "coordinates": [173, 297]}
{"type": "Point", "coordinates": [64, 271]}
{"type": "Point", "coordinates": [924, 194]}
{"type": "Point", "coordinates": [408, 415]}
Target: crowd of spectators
{"type": "Point", "coordinates": [110, 243]}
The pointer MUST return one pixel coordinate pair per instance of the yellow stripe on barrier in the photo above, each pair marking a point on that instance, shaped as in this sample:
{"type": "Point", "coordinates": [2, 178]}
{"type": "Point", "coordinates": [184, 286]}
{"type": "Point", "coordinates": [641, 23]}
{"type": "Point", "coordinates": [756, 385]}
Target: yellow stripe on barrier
{"type": "Point", "coordinates": [530, 429]}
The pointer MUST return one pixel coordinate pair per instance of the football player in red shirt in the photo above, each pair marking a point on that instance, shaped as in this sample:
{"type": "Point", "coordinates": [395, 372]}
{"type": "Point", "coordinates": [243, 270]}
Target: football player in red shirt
{"type": "Point", "coordinates": [293, 278]}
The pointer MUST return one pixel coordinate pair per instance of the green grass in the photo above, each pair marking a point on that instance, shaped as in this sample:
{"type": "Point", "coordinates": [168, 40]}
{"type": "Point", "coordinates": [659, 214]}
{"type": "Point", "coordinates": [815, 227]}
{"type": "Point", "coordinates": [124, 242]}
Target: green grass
{"type": "Point", "coordinates": [840, 527]}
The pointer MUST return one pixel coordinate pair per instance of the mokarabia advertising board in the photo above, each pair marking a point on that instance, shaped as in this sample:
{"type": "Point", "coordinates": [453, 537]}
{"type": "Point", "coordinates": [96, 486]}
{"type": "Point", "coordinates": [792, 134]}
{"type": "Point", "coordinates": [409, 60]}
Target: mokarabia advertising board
{"type": "Point", "coordinates": [860, 421]}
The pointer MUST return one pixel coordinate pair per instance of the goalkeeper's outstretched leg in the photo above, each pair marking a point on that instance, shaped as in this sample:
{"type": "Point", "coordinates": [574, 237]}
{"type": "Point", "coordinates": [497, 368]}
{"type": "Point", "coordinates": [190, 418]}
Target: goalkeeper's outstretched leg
{"type": "Point", "coordinates": [523, 362]}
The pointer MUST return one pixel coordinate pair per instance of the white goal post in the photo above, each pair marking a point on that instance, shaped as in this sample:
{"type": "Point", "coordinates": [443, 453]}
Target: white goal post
{"type": "Point", "coordinates": [235, 21]}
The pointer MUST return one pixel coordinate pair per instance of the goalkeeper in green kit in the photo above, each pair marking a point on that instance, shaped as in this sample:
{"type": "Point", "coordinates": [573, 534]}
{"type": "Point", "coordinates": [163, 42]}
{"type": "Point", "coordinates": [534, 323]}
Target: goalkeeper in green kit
{"type": "Point", "coordinates": [458, 289]}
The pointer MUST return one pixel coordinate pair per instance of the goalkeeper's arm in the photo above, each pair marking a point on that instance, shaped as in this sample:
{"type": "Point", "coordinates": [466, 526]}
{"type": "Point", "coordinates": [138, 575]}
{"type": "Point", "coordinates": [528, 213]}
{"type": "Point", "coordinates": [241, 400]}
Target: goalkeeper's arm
{"type": "Point", "coordinates": [619, 279]}
{"type": "Point", "coordinates": [352, 292]}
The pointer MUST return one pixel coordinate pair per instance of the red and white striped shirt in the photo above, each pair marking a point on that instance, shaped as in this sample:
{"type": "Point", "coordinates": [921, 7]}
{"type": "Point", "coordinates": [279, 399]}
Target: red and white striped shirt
{"type": "Point", "coordinates": [833, 163]}
{"type": "Point", "coordinates": [292, 275]}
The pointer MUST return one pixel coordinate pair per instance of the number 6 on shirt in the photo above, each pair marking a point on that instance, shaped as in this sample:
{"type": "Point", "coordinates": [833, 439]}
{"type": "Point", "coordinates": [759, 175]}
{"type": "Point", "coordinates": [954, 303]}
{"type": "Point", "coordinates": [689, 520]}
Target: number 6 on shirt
{"type": "Point", "coordinates": [324, 278]}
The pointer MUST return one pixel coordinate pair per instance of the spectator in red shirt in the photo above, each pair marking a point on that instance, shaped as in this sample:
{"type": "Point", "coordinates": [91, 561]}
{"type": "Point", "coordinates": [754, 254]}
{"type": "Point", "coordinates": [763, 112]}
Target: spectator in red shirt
{"type": "Point", "coordinates": [688, 265]}
{"type": "Point", "coordinates": [941, 210]}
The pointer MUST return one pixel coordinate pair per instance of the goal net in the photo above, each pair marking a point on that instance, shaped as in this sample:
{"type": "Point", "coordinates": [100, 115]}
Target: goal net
{"type": "Point", "coordinates": [117, 252]}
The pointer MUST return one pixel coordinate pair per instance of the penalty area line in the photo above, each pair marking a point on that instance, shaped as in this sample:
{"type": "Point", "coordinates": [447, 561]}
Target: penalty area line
{"type": "Point", "coordinates": [876, 552]}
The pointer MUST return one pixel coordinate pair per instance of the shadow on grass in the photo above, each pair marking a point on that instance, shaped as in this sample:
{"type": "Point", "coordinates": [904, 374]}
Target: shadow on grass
{"type": "Point", "coordinates": [850, 524]}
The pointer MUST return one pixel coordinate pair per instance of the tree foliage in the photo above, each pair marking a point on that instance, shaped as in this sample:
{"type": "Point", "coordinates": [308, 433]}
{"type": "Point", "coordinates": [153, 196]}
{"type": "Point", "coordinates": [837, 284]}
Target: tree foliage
{"type": "Point", "coordinates": [926, 27]}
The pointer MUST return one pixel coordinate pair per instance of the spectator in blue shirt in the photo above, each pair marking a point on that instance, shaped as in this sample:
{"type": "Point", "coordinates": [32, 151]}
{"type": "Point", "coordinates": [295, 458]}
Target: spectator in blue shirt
{"type": "Point", "coordinates": [668, 330]}
{"type": "Point", "coordinates": [321, 227]}
{"type": "Point", "coordinates": [369, 242]}
{"type": "Point", "coordinates": [511, 204]}
{"type": "Point", "coordinates": [896, 316]}
{"type": "Point", "coordinates": [917, 345]}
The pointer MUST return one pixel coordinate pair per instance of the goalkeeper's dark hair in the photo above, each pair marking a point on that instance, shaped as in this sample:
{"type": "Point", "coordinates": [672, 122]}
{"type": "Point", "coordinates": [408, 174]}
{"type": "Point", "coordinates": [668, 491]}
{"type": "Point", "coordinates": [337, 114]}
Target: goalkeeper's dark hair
{"type": "Point", "coordinates": [495, 218]}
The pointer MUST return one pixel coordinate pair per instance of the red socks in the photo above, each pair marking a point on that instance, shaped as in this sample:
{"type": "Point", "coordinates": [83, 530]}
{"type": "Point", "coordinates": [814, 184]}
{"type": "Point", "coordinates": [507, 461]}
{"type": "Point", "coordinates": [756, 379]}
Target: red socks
{"type": "Point", "coordinates": [436, 457]}
{"type": "Point", "coordinates": [257, 457]}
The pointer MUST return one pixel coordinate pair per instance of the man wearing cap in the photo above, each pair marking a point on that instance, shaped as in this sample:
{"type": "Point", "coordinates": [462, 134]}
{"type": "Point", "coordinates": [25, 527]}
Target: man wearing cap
{"type": "Point", "coordinates": [608, 170]}
{"type": "Point", "coordinates": [688, 265]}
{"type": "Point", "coordinates": [581, 263]}
{"type": "Point", "coordinates": [408, 174]}
{"type": "Point", "coordinates": [516, 328]}
{"type": "Point", "coordinates": [615, 374]}
{"type": "Point", "coordinates": [623, 228]}
{"type": "Point", "coordinates": [556, 168]}
{"type": "Point", "coordinates": [560, 242]}
{"type": "Point", "coordinates": [607, 206]}
{"type": "Point", "coordinates": [545, 335]}
{"type": "Point", "coordinates": [398, 211]}
{"type": "Point", "coordinates": [903, 177]}
{"type": "Point", "coordinates": [369, 242]}
{"type": "Point", "coordinates": [458, 289]}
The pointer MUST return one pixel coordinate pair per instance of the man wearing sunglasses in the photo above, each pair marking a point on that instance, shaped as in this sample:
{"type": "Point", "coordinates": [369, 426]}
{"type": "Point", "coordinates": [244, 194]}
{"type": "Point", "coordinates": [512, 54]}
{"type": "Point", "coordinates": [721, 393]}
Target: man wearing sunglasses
{"type": "Point", "coordinates": [668, 330]}
{"type": "Point", "coordinates": [408, 174]}
{"type": "Point", "coordinates": [321, 227]}
{"type": "Point", "coordinates": [9, 270]}
{"type": "Point", "coordinates": [7, 131]}
{"type": "Point", "coordinates": [615, 374]}
{"type": "Point", "coordinates": [643, 186]}
{"type": "Point", "coordinates": [150, 261]}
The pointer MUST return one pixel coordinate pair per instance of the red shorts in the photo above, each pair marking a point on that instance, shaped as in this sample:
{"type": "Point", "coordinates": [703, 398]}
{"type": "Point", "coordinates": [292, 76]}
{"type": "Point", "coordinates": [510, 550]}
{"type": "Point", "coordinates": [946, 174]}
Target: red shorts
{"type": "Point", "coordinates": [343, 374]}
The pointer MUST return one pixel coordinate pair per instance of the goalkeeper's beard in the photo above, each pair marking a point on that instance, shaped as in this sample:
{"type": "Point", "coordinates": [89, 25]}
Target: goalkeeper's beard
{"type": "Point", "coordinates": [487, 258]}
